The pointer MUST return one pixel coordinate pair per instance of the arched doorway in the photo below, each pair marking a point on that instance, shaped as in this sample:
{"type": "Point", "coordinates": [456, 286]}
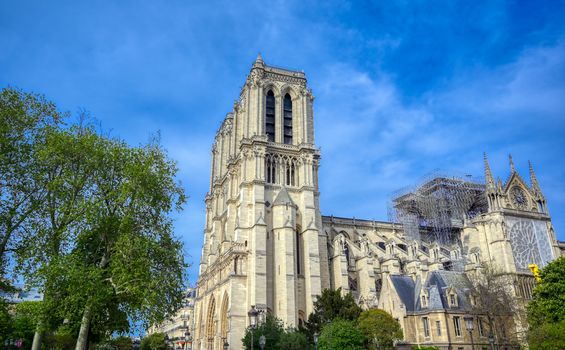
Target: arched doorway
{"type": "Point", "coordinates": [210, 324]}
{"type": "Point", "coordinates": [224, 324]}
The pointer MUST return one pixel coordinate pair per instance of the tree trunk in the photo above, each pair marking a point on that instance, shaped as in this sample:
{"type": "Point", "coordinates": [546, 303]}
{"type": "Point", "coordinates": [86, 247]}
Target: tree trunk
{"type": "Point", "coordinates": [82, 340]}
{"type": "Point", "coordinates": [37, 338]}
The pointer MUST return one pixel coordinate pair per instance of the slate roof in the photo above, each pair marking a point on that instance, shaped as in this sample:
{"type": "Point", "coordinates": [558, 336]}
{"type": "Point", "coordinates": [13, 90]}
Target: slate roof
{"type": "Point", "coordinates": [437, 283]}
{"type": "Point", "coordinates": [405, 287]}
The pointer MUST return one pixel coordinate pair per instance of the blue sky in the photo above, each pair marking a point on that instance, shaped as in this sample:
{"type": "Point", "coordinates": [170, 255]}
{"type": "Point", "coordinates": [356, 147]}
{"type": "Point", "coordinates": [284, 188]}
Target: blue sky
{"type": "Point", "coordinates": [402, 87]}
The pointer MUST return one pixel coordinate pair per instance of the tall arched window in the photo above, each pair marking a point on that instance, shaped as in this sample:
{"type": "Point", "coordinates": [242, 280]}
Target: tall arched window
{"type": "Point", "coordinates": [298, 254]}
{"type": "Point", "coordinates": [270, 116]}
{"type": "Point", "coordinates": [287, 119]}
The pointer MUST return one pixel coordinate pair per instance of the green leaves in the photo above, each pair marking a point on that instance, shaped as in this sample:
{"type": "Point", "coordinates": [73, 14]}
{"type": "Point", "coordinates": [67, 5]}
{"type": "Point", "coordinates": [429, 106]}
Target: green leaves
{"type": "Point", "coordinates": [379, 326]}
{"type": "Point", "coordinates": [341, 335]}
{"type": "Point", "coordinates": [24, 121]}
{"type": "Point", "coordinates": [276, 336]}
{"type": "Point", "coordinates": [89, 217]}
{"type": "Point", "coordinates": [329, 306]}
{"type": "Point", "coordinates": [546, 311]}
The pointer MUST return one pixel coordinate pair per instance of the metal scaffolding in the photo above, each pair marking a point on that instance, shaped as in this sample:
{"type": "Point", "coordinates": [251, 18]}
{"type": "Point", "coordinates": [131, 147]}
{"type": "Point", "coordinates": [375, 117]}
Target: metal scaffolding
{"type": "Point", "coordinates": [436, 208]}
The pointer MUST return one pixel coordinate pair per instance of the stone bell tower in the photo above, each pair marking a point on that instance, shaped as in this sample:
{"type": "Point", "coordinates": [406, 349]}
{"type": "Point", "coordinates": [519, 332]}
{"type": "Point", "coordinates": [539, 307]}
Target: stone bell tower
{"type": "Point", "coordinates": [263, 243]}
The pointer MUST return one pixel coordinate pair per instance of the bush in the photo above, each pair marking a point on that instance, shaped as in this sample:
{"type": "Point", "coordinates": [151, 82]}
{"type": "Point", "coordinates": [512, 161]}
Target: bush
{"type": "Point", "coordinates": [341, 335]}
{"type": "Point", "coordinates": [122, 343]}
{"type": "Point", "coordinates": [379, 324]}
{"type": "Point", "coordinates": [293, 340]}
{"type": "Point", "coordinates": [155, 341]}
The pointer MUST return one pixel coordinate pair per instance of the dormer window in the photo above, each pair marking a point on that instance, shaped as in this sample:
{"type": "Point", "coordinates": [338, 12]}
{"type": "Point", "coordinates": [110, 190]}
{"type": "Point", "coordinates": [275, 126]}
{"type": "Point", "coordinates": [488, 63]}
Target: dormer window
{"type": "Point", "coordinates": [451, 295]}
{"type": "Point", "coordinates": [424, 298]}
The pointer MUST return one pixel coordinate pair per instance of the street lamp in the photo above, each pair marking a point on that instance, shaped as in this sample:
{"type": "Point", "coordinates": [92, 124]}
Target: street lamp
{"type": "Point", "coordinates": [252, 313]}
{"type": "Point", "coordinates": [491, 340]}
{"type": "Point", "coordinates": [316, 340]}
{"type": "Point", "coordinates": [470, 326]}
{"type": "Point", "coordinates": [262, 341]}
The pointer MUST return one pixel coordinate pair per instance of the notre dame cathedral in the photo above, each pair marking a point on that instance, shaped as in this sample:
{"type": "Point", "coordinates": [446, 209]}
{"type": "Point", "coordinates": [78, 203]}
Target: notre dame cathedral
{"type": "Point", "coordinates": [267, 246]}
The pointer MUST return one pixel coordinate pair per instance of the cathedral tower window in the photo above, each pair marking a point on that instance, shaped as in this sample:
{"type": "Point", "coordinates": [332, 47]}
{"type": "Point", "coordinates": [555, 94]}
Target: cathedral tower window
{"type": "Point", "coordinates": [298, 254]}
{"type": "Point", "coordinates": [270, 169]}
{"type": "Point", "coordinates": [287, 120]}
{"type": "Point", "coordinates": [270, 116]}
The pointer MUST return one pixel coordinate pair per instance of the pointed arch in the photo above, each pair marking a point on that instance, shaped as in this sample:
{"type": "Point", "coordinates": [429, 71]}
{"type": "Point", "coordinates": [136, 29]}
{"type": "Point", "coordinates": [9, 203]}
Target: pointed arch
{"type": "Point", "coordinates": [270, 115]}
{"type": "Point", "coordinates": [210, 321]}
{"type": "Point", "coordinates": [287, 119]}
{"type": "Point", "coordinates": [224, 324]}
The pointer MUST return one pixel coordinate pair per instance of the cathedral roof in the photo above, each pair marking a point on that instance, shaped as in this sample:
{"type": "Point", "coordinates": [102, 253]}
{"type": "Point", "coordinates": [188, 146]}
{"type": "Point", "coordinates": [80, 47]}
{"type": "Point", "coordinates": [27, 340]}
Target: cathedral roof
{"type": "Point", "coordinates": [405, 288]}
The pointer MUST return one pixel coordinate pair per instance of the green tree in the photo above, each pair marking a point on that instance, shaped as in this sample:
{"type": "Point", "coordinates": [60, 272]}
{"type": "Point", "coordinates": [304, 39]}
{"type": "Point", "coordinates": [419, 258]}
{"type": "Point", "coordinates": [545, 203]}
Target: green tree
{"type": "Point", "coordinates": [272, 329]}
{"type": "Point", "coordinates": [548, 301]}
{"type": "Point", "coordinates": [547, 336]}
{"type": "Point", "coordinates": [546, 310]}
{"type": "Point", "coordinates": [122, 343]}
{"type": "Point", "coordinates": [104, 250]}
{"type": "Point", "coordinates": [126, 260]}
{"type": "Point", "coordinates": [293, 340]}
{"type": "Point", "coordinates": [329, 306]}
{"type": "Point", "coordinates": [380, 328]}
{"type": "Point", "coordinates": [155, 341]}
{"type": "Point", "coordinates": [24, 120]}
{"type": "Point", "coordinates": [341, 335]}
{"type": "Point", "coordinates": [5, 321]}
{"type": "Point", "coordinates": [68, 161]}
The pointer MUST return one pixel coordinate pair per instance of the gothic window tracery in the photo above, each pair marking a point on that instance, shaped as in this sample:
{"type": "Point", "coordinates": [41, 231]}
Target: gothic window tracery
{"type": "Point", "coordinates": [224, 317]}
{"type": "Point", "coordinates": [530, 243]}
{"type": "Point", "coordinates": [287, 119]}
{"type": "Point", "coordinates": [210, 322]}
{"type": "Point", "coordinates": [281, 169]}
{"type": "Point", "coordinates": [270, 116]}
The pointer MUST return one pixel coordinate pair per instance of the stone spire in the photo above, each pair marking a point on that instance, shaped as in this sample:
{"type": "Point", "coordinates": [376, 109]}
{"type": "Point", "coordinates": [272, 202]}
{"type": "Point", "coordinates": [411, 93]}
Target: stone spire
{"type": "Point", "coordinates": [259, 61]}
{"type": "Point", "coordinates": [489, 180]}
{"type": "Point", "coordinates": [512, 168]}
{"type": "Point", "coordinates": [534, 180]}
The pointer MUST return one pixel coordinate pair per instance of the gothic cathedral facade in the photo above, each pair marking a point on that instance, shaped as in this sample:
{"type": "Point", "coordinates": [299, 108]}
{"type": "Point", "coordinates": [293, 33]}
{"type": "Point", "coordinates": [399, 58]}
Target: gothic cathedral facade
{"type": "Point", "coordinates": [266, 244]}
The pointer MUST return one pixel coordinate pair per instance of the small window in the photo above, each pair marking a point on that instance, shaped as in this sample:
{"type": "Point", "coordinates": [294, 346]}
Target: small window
{"type": "Point", "coordinates": [424, 301]}
{"type": "Point", "coordinates": [457, 325]}
{"type": "Point", "coordinates": [438, 328]}
{"type": "Point", "coordinates": [426, 324]}
{"type": "Point", "coordinates": [452, 300]}
{"type": "Point", "coordinates": [481, 328]}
